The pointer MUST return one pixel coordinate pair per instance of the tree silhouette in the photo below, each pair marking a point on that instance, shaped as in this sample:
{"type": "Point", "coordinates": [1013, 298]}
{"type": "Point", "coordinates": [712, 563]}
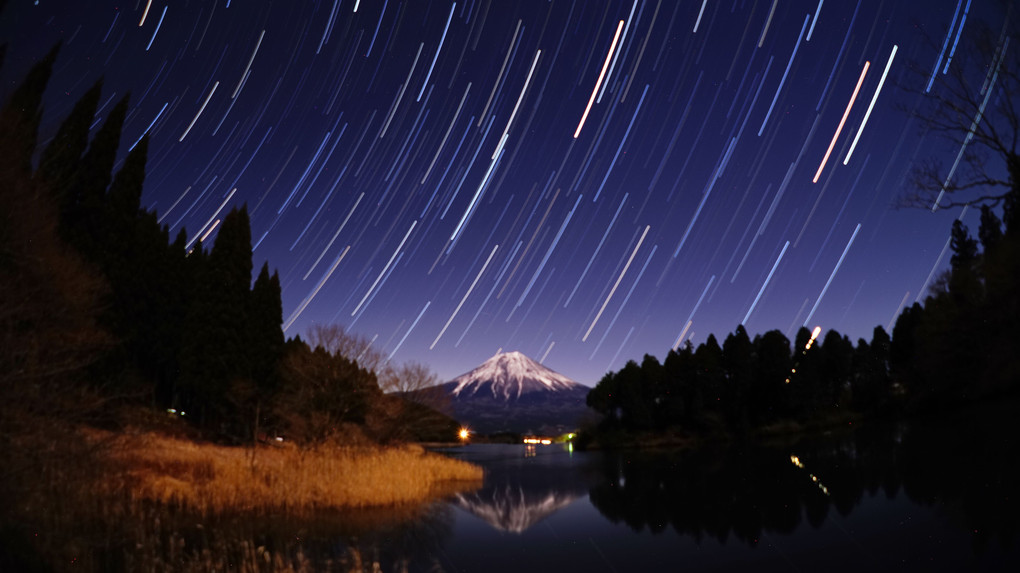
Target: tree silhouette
{"type": "Point", "coordinates": [84, 206]}
{"type": "Point", "coordinates": [61, 156]}
{"type": "Point", "coordinates": [20, 117]}
{"type": "Point", "coordinates": [978, 116]}
{"type": "Point", "coordinates": [772, 369]}
{"type": "Point", "coordinates": [738, 363]}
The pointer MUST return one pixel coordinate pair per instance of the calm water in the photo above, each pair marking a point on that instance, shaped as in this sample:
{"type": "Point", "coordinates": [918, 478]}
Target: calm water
{"type": "Point", "coordinates": [848, 505]}
{"type": "Point", "coordinates": [923, 497]}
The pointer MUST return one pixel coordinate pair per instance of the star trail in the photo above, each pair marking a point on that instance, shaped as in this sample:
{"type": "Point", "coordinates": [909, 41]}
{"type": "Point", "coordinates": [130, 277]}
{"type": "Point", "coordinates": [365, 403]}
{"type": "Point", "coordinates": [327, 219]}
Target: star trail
{"type": "Point", "coordinates": [582, 181]}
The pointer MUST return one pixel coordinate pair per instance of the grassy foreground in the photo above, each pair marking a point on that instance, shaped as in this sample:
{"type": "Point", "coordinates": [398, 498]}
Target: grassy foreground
{"type": "Point", "coordinates": [207, 478]}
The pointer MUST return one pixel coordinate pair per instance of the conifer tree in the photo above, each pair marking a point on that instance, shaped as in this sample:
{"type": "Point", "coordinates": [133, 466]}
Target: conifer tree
{"type": "Point", "coordinates": [122, 206]}
{"type": "Point", "coordinates": [265, 344]}
{"type": "Point", "coordinates": [903, 351]}
{"type": "Point", "coordinates": [215, 356]}
{"type": "Point", "coordinates": [19, 119]}
{"type": "Point", "coordinates": [708, 384]}
{"type": "Point", "coordinates": [835, 363]}
{"type": "Point", "coordinates": [229, 277]}
{"type": "Point", "coordinates": [990, 231]}
{"type": "Point", "coordinates": [771, 372]}
{"type": "Point", "coordinates": [61, 157]}
{"type": "Point", "coordinates": [679, 371]}
{"type": "Point", "coordinates": [738, 362]}
{"type": "Point", "coordinates": [265, 321]}
{"type": "Point", "coordinates": [963, 281]}
{"type": "Point", "coordinates": [173, 317]}
{"type": "Point", "coordinates": [132, 251]}
{"type": "Point", "coordinates": [804, 376]}
{"type": "Point", "coordinates": [870, 384]}
{"type": "Point", "coordinates": [197, 360]}
{"type": "Point", "coordinates": [83, 206]}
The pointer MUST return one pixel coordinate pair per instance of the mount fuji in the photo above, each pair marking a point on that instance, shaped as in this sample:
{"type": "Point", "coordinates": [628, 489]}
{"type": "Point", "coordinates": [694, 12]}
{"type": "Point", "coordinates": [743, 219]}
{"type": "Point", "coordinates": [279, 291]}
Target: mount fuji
{"type": "Point", "coordinates": [512, 393]}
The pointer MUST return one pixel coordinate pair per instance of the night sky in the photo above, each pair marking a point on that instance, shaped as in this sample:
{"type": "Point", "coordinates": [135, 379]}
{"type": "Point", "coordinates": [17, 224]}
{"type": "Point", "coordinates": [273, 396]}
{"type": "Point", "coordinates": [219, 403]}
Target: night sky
{"type": "Point", "coordinates": [429, 175]}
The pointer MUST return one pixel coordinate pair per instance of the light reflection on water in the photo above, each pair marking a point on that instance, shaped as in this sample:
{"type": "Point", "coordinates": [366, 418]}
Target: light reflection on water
{"type": "Point", "coordinates": [934, 497]}
{"type": "Point", "coordinates": [929, 497]}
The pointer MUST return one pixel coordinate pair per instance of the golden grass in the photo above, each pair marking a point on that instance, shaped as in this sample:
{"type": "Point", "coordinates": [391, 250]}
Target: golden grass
{"type": "Point", "coordinates": [216, 479]}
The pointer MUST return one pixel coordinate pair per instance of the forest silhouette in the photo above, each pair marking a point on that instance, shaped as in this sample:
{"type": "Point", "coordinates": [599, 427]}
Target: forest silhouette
{"type": "Point", "coordinates": [103, 312]}
{"type": "Point", "coordinates": [957, 348]}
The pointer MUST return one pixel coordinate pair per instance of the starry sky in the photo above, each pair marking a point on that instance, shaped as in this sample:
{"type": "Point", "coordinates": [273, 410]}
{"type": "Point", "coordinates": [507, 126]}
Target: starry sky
{"type": "Point", "coordinates": [582, 181]}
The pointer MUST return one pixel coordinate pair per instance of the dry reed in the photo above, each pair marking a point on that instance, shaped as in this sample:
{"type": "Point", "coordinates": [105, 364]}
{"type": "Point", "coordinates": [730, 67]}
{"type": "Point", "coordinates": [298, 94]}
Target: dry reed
{"type": "Point", "coordinates": [213, 479]}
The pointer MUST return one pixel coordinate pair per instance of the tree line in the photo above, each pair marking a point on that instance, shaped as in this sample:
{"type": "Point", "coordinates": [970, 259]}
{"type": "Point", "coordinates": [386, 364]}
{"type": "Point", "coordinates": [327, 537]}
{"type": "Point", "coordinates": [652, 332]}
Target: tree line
{"type": "Point", "coordinates": [98, 298]}
{"type": "Point", "coordinates": [959, 347]}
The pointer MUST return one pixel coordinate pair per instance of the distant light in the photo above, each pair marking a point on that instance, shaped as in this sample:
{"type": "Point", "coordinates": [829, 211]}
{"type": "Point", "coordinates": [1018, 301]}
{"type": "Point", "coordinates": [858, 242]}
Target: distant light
{"type": "Point", "coordinates": [464, 433]}
{"type": "Point", "coordinates": [814, 335]}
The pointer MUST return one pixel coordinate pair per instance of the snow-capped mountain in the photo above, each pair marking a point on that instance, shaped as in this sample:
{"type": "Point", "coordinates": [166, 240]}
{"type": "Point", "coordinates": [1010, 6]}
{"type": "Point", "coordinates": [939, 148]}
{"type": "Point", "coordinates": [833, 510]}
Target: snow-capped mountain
{"type": "Point", "coordinates": [508, 376]}
{"type": "Point", "coordinates": [512, 393]}
{"type": "Point", "coordinates": [513, 508]}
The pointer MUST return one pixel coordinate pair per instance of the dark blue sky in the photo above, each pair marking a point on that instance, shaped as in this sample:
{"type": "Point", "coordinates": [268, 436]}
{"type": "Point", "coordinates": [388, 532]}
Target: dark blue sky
{"type": "Point", "coordinates": [412, 170]}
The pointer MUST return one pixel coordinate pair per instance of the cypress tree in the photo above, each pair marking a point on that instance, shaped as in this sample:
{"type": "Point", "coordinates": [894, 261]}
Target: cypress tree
{"type": "Point", "coordinates": [197, 360]}
{"type": "Point", "coordinates": [230, 278]}
{"type": "Point", "coordinates": [19, 119]}
{"type": "Point", "coordinates": [230, 258]}
{"type": "Point", "coordinates": [130, 248]}
{"type": "Point", "coordinates": [61, 157]}
{"type": "Point", "coordinates": [83, 206]}
{"type": "Point", "coordinates": [265, 346]}
{"type": "Point", "coordinates": [121, 208]}
{"type": "Point", "coordinates": [266, 319]}
{"type": "Point", "coordinates": [215, 354]}
{"type": "Point", "coordinates": [174, 314]}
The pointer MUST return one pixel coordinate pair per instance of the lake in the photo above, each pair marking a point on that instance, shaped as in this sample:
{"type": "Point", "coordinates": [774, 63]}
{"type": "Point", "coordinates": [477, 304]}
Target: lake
{"type": "Point", "coordinates": [864, 501]}
{"type": "Point", "coordinates": [924, 496]}
{"type": "Point", "coordinates": [929, 496]}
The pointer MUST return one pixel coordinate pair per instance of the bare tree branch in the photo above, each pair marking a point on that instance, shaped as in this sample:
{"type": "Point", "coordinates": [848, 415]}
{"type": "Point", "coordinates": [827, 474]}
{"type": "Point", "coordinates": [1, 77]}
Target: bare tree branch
{"type": "Point", "coordinates": [973, 108]}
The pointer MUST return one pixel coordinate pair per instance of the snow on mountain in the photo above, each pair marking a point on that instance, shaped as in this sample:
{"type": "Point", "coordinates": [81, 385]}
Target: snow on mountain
{"type": "Point", "coordinates": [513, 508]}
{"type": "Point", "coordinates": [509, 375]}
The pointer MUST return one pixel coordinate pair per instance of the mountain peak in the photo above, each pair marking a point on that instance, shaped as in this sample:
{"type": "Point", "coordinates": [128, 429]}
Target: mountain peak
{"type": "Point", "coordinates": [508, 375]}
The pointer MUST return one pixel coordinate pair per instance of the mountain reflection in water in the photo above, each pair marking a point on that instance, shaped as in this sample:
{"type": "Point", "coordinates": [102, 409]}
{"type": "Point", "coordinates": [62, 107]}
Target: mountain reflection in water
{"type": "Point", "coordinates": [931, 496]}
{"type": "Point", "coordinates": [935, 494]}
{"type": "Point", "coordinates": [524, 484]}
{"type": "Point", "coordinates": [512, 508]}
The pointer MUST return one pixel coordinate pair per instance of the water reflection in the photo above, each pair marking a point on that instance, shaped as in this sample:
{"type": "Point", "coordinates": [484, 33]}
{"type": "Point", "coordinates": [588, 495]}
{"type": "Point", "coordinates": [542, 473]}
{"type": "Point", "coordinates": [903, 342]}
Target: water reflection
{"type": "Point", "coordinates": [839, 498]}
{"type": "Point", "coordinates": [743, 492]}
{"type": "Point", "coordinates": [524, 484]}
{"type": "Point", "coordinates": [512, 508]}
